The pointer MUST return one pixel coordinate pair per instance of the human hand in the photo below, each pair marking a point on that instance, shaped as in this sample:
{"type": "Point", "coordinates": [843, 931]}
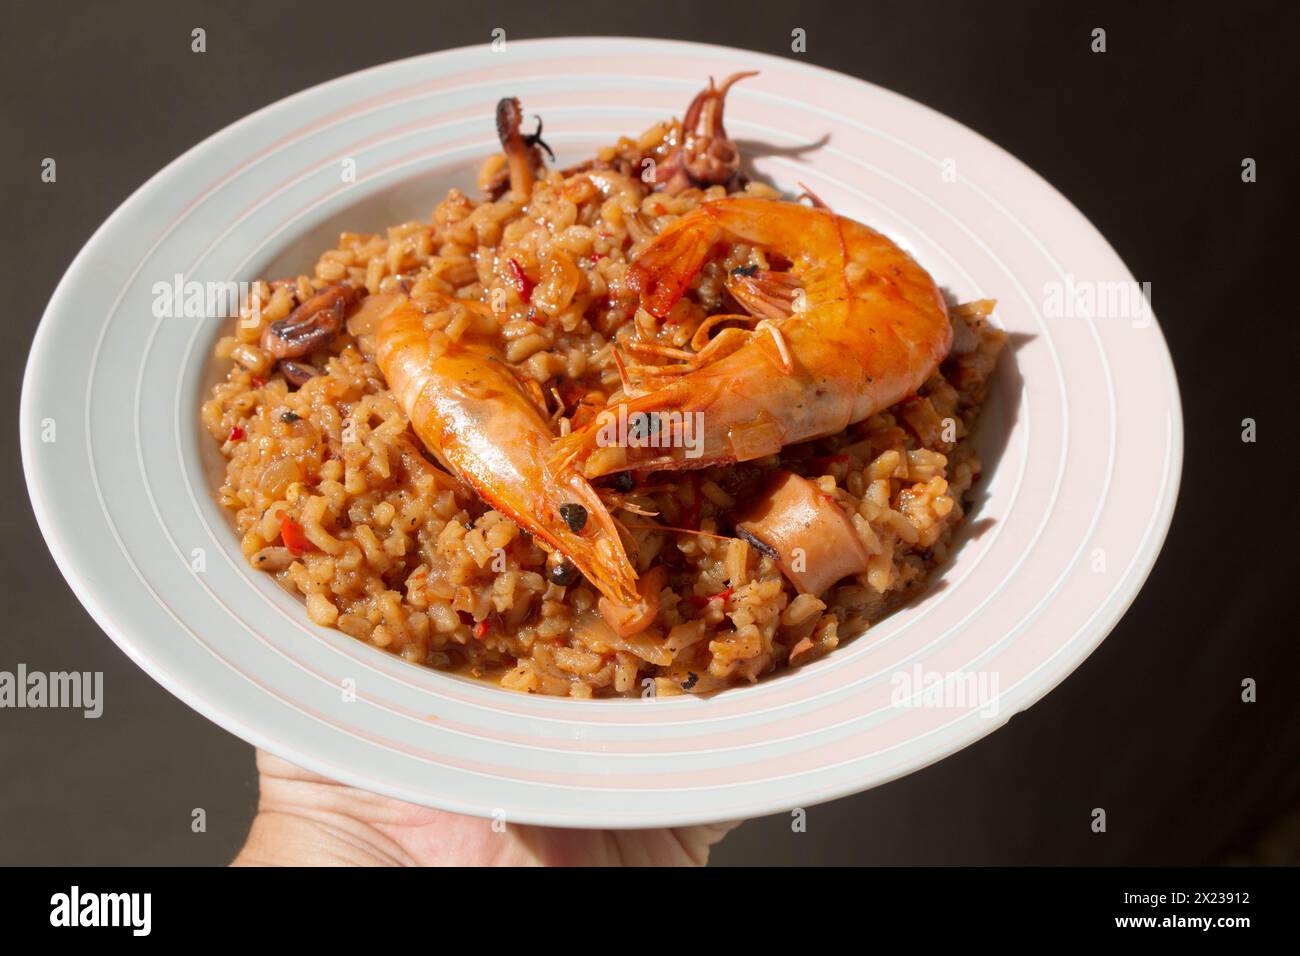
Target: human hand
{"type": "Point", "coordinates": [304, 819]}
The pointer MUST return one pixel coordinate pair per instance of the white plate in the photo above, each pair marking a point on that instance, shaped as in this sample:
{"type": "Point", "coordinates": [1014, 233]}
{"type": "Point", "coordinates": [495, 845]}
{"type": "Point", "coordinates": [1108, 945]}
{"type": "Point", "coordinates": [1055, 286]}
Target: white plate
{"type": "Point", "coordinates": [1083, 441]}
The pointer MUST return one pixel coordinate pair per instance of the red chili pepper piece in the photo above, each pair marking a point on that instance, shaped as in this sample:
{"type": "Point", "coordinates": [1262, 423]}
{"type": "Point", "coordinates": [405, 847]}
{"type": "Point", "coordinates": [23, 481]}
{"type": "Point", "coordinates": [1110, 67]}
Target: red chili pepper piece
{"type": "Point", "coordinates": [236, 434]}
{"type": "Point", "coordinates": [294, 538]}
{"type": "Point", "coordinates": [722, 596]}
{"type": "Point", "coordinates": [257, 382]}
{"type": "Point", "coordinates": [523, 284]}
{"type": "Point", "coordinates": [480, 630]}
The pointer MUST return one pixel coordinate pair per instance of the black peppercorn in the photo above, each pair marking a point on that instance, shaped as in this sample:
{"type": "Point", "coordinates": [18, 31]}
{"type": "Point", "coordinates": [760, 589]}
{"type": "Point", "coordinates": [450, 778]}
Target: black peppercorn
{"type": "Point", "coordinates": [562, 573]}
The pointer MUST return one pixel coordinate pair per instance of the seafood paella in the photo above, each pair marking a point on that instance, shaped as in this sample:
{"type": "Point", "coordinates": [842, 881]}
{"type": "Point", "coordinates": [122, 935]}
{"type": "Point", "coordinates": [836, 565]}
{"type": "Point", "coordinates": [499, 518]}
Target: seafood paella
{"type": "Point", "coordinates": [641, 426]}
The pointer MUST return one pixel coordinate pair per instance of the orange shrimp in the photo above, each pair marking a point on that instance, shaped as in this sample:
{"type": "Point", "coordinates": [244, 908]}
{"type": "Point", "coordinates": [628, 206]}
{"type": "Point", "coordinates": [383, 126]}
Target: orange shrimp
{"type": "Point", "coordinates": [472, 413]}
{"type": "Point", "coordinates": [853, 327]}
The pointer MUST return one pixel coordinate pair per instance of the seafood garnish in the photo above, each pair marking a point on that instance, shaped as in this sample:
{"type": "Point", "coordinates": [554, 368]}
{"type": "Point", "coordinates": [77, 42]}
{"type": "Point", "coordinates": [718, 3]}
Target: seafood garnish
{"type": "Point", "coordinates": [471, 412]}
{"type": "Point", "coordinates": [853, 327]}
{"type": "Point", "coordinates": [705, 156]}
{"type": "Point", "coordinates": [311, 326]}
{"type": "Point", "coordinates": [523, 152]}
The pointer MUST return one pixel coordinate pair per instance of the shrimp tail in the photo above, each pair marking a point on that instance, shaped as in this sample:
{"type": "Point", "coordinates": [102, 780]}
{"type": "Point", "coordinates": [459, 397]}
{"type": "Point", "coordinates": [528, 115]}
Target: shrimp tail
{"type": "Point", "coordinates": [665, 269]}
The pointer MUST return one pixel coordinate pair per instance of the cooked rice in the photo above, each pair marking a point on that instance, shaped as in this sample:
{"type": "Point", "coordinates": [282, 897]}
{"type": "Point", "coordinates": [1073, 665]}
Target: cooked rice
{"type": "Point", "coordinates": [403, 557]}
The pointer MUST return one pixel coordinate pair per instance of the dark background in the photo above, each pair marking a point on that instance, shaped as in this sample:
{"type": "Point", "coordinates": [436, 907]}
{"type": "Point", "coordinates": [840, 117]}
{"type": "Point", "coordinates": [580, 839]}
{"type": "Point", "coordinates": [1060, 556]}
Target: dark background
{"type": "Point", "coordinates": [1147, 139]}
